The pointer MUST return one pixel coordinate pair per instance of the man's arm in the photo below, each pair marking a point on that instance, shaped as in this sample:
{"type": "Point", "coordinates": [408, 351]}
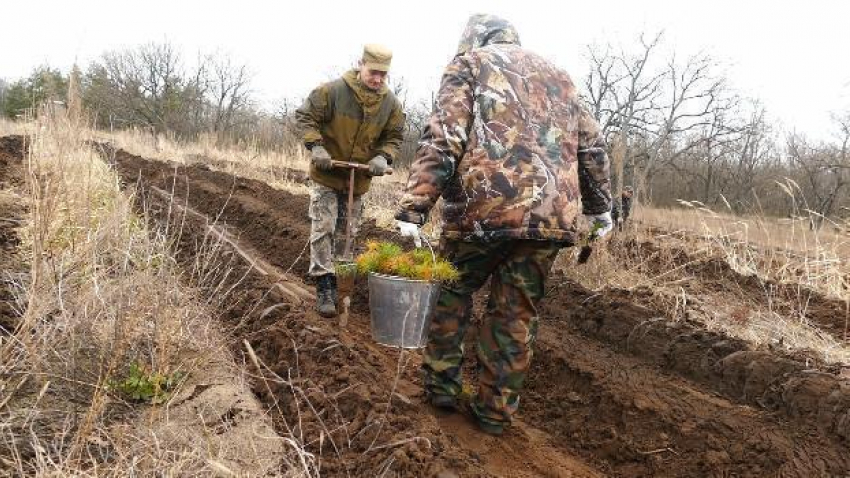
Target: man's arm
{"type": "Point", "coordinates": [311, 115]}
{"type": "Point", "coordinates": [442, 145]}
{"type": "Point", "coordinates": [594, 168]}
{"type": "Point", "coordinates": [392, 136]}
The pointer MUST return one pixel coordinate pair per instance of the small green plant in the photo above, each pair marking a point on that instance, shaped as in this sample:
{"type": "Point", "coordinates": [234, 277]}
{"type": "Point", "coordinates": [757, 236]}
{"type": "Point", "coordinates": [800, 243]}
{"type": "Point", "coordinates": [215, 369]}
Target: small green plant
{"type": "Point", "coordinates": [345, 269]}
{"type": "Point", "coordinates": [142, 385]}
{"type": "Point", "coordinates": [388, 258]}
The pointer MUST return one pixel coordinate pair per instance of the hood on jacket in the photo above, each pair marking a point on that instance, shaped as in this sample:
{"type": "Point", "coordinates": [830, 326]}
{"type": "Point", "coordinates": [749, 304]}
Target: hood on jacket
{"type": "Point", "coordinates": [482, 30]}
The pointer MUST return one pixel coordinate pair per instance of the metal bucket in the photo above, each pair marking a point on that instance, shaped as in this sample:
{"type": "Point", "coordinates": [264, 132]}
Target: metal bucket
{"type": "Point", "coordinates": [401, 310]}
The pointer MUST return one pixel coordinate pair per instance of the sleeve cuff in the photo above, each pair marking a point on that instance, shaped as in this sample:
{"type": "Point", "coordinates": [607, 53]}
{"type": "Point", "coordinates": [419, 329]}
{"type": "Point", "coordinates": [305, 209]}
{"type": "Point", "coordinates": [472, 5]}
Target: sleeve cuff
{"type": "Point", "coordinates": [594, 210]}
{"type": "Point", "coordinates": [411, 217]}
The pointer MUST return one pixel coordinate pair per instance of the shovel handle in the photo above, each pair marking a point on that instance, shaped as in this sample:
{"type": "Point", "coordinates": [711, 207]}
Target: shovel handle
{"type": "Point", "coordinates": [361, 167]}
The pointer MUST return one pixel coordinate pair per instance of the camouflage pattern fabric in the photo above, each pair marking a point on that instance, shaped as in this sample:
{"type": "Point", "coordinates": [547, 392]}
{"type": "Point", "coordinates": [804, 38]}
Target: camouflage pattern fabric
{"type": "Point", "coordinates": [517, 270]}
{"type": "Point", "coordinates": [508, 146]}
{"type": "Point", "coordinates": [483, 29]}
{"type": "Point", "coordinates": [328, 211]}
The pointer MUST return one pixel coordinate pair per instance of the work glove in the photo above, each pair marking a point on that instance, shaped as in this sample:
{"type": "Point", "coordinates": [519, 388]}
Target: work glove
{"type": "Point", "coordinates": [600, 224]}
{"type": "Point", "coordinates": [320, 158]}
{"type": "Point", "coordinates": [408, 229]}
{"type": "Point", "coordinates": [378, 166]}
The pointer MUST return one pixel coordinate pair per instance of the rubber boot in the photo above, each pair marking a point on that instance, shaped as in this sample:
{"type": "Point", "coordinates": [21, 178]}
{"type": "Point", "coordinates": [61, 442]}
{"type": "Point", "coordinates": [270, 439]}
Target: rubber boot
{"type": "Point", "coordinates": [326, 295]}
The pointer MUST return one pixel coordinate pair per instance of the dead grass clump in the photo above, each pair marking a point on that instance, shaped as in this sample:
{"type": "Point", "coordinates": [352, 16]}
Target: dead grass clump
{"type": "Point", "coordinates": [8, 127]}
{"type": "Point", "coordinates": [103, 293]}
{"type": "Point", "coordinates": [284, 168]}
{"type": "Point", "coordinates": [670, 252]}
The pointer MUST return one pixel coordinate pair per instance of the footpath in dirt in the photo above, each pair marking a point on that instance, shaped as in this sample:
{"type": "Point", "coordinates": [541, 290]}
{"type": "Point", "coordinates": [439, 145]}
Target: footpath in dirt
{"type": "Point", "coordinates": [12, 268]}
{"type": "Point", "coordinates": [614, 390]}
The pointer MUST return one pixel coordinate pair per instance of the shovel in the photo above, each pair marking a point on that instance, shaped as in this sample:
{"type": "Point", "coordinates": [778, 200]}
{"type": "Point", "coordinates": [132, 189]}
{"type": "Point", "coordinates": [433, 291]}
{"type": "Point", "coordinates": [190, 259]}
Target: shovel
{"type": "Point", "coordinates": [346, 259]}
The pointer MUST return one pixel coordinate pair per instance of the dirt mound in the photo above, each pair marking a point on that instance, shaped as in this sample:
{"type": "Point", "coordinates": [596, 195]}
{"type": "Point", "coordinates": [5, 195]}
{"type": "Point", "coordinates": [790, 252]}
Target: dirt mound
{"type": "Point", "coordinates": [275, 173]}
{"type": "Point", "coordinates": [247, 208]}
{"type": "Point", "coordinates": [655, 397]}
{"type": "Point", "coordinates": [716, 276]}
{"type": "Point", "coordinates": [12, 151]}
{"type": "Point", "coordinates": [334, 389]}
{"type": "Point", "coordinates": [614, 383]}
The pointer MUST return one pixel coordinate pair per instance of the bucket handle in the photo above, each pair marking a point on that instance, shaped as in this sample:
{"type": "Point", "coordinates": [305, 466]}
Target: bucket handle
{"type": "Point", "coordinates": [428, 242]}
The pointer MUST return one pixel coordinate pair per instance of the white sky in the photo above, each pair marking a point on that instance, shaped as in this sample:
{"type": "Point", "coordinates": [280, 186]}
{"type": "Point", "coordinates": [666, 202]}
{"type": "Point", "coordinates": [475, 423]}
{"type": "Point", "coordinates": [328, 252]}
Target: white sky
{"type": "Point", "coordinates": [791, 55]}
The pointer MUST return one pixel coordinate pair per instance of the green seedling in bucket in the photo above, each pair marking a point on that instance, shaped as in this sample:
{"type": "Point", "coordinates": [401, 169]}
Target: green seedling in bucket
{"type": "Point", "coordinates": [403, 290]}
{"type": "Point", "coordinates": [345, 269]}
{"type": "Point", "coordinates": [419, 264]}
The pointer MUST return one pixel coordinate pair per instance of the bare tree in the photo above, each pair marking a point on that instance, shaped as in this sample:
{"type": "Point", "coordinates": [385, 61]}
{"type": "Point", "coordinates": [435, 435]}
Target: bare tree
{"type": "Point", "coordinates": [228, 90]}
{"type": "Point", "coordinates": [3, 87]}
{"type": "Point", "coordinates": [621, 91]}
{"type": "Point", "coordinates": [146, 86]}
{"type": "Point", "coordinates": [656, 113]}
{"type": "Point", "coordinates": [824, 170]}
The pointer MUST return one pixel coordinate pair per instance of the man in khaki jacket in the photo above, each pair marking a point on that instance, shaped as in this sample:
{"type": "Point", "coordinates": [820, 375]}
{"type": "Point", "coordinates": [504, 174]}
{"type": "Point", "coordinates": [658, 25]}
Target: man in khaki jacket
{"type": "Point", "coordinates": [356, 119]}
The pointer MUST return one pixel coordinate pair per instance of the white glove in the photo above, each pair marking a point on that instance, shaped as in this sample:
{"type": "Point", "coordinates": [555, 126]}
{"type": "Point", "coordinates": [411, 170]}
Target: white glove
{"type": "Point", "coordinates": [408, 229]}
{"type": "Point", "coordinates": [601, 222]}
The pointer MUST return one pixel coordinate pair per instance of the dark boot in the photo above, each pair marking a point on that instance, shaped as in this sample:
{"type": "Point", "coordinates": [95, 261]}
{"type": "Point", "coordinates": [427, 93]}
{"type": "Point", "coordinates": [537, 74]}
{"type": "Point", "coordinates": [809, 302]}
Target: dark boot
{"type": "Point", "coordinates": [326, 295]}
{"type": "Point", "coordinates": [444, 404]}
{"type": "Point", "coordinates": [488, 427]}
{"type": "Point", "coordinates": [334, 294]}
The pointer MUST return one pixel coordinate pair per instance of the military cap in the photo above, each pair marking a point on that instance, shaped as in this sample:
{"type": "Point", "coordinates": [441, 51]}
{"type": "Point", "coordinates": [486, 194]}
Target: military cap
{"type": "Point", "coordinates": [377, 57]}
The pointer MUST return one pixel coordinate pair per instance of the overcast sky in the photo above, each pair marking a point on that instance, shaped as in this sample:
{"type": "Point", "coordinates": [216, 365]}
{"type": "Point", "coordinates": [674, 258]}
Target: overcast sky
{"type": "Point", "coordinates": [791, 55]}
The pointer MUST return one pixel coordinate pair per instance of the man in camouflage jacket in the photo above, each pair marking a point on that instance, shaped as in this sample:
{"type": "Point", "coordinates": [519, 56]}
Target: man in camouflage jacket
{"type": "Point", "coordinates": [355, 119]}
{"type": "Point", "coordinates": [517, 160]}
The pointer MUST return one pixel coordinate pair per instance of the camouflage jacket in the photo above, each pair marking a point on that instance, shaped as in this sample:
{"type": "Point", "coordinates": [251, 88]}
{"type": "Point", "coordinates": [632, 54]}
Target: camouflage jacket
{"type": "Point", "coordinates": [354, 124]}
{"type": "Point", "coordinates": [508, 146]}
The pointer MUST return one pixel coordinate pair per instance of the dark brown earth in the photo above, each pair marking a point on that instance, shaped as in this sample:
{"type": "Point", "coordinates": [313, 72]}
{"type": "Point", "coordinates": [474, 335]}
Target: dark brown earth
{"type": "Point", "coordinates": [615, 388]}
{"type": "Point", "coordinates": [12, 150]}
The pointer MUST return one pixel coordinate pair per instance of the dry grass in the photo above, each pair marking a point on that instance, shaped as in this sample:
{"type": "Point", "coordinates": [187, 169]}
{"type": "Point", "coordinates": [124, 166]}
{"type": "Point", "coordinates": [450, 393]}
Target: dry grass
{"type": "Point", "coordinates": [283, 169]}
{"type": "Point", "coordinates": [770, 250]}
{"type": "Point", "coordinates": [778, 250]}
{"type": "Point", "coordinates": [103, 291]}
{"type": "Point", "coordinates": [13, 127]}
{"type": "Point", "coordinates": [279, 168]}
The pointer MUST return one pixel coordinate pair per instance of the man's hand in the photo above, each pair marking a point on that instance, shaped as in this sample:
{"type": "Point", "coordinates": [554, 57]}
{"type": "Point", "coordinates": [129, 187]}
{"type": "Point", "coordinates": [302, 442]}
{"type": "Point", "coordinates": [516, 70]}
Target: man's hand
{"type": "Point", "coordinates": [600, 224]}
{"type": "Point", "coordinates": [378, 166]}
{"type": "Point", "coordinates": [408, 229]}
{"type": "Point", "coordinates": [320, 158]}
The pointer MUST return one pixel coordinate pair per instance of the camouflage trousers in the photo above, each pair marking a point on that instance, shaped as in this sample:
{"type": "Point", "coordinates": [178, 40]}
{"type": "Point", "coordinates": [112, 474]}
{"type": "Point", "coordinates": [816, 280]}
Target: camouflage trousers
{"type": "Point", "coordinates": [517, 270]}
{"type": "Point", "coordinates": [328, 211]}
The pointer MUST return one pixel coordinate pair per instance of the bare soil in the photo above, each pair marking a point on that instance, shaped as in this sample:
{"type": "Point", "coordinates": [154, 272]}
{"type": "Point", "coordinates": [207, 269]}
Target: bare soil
{"type": "Point", "coordinates": [615, 388]}
{"type": "Point", "coordinates": [12, 267]}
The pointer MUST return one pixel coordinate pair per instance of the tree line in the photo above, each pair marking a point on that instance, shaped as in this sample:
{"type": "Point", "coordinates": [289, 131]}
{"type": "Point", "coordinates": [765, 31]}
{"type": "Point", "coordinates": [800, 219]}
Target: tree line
{"type": "Point", "coordinates": [677, 130]}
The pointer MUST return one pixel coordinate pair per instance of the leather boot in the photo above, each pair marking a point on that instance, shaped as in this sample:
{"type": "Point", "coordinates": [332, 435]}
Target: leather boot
{"type": "Point", "coordinates": [326, 295]}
